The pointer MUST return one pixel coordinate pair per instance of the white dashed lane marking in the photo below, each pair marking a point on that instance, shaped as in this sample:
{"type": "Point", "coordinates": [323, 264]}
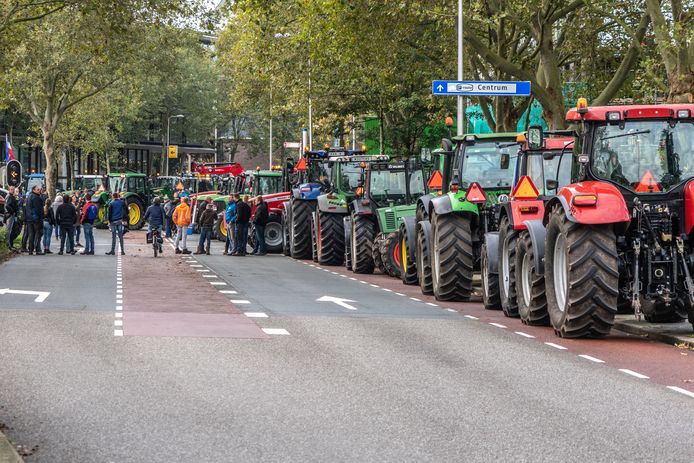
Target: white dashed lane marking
{"type": "Point", "coordinates": [681, 391]}
{"type": "Point", "coordinates": [633, 373]}
{"type": "Point", "coordinates": [279, 331]}
{"type": "Point", "coordinates": [592, 359]}
{"type": "Point", "coordinates": [415, 299]}
{"type": "Point", "coordinates": [239, 301]}
{"type": "Point", "coordinates": [118, 332]}
{"type": "Point", "coordinates": [525, 335]}
{"type": "Point", "coordinates": [228, 291]}
{"type": "Point", "coordinates": [218, 283]}
{"type": "Point", "coordinates": [498, 325]}
{"type": "Point", "coordinates": [556, 346]}
{"type": "Point", "coordinates": [432, 304]}
{"type": "Point", "coordinates": [471, 317]}
{"type": "Point", "coordinates": [256, 314]}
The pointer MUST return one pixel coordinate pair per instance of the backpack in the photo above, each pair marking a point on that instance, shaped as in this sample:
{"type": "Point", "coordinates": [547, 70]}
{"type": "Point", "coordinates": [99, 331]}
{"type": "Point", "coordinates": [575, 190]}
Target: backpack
{"type": "Point", "coordinates": [91, 212]}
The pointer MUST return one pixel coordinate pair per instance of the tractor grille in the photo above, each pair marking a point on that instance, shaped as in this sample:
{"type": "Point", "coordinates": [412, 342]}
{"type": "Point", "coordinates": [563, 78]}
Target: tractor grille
{"type": "Point", "coordinates": [390, 220]}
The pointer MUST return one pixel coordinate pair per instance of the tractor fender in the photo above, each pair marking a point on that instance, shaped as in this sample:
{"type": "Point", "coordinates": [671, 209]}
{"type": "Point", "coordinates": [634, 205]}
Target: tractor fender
{"type": "Point", "coordinates": [518, 218]}
{"type": "Point", "coordinates": [360, 209]}
{"type": "Point", "coordinates": [536, 230]}
{"type": "Point", "coordinates": [425, 203]}
{"type": "Point", "coordinates": [441, 205]}
{"type": "Point", "coordinates": [505, 210]}
{"type": "Point", "coordinates": [409, 227]}
{"type": "Point", "coordinates": [274, 217]}
{"type": "Point", "coordinates": [296, 193]}
{"type": "Point", "coordinates": [610, 208]}
{"type": "Point", "coordinates": [491, 239]}
{"type": "Point", "coordinates": [324, 205]}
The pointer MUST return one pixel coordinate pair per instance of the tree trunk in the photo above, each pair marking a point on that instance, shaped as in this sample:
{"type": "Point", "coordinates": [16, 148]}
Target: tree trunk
{"type": "Point", "coordinates": [49, 154]}
{"type": "Point", "coordinates": [681, 85]}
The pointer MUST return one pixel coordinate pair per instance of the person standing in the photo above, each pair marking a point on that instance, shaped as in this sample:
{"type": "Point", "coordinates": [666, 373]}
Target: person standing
{"type": "Point", "coordinates": [206, 223]}
{"type": "Point", "coordinates": [87, 218]}
{"type": "Point", "coordinates": [56, 204]}
{"type": "Point", "coordinates": [260, 219]}
{"type": "Point", "coordinates": [66, 217]}
{"type": "Point", "coordinates": [48, 224]}
{"type": "Point", "coordinates": [155, 218]}
{"type": "Point", "coordinates": [34, 220]}
{"type": "Point", "coordinates": [12, 210]}
{"type": "Point", "coordinates": [243, 217]}
{"type": "Point", "coordinates": [181, 218]}
{"type": "Point", "coordinates": [168, 213]}
{"type": "Point", "coordinates": [230, 217]}
{"type": "Point", "coordinates": [116, 216]}
{"type": "Point", "coordinates": [79, 202]}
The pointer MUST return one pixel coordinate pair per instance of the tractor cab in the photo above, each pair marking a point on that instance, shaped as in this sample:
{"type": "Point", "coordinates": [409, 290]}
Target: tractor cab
{"type": "Point", "coordinates": [135, 189]}
{"type": "Point", "coordinates": [394, 184]}
{"type": "Point", "coordinates": [92, 183]}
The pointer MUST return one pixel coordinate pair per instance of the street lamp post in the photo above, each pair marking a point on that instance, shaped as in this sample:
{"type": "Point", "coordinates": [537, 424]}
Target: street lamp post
{"type": "Point", "coordinates": [168, 138]}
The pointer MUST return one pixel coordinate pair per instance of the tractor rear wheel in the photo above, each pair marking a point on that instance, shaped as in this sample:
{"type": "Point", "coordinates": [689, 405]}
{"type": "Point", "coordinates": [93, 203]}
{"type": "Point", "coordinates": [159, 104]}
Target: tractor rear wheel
{"type": "Point", "coordinates": [136, 212]}
{"type": "Point", "coordinates": [658, 312]}
{"type": "Point", "coordinates": [507, 268]}
{"type": "Point", "coordinates": [376, 254]}
{"type": "Point", "coordinates": [330, 238]}
{"type": "Point", "coordinates": [390, 254]}
{"type": "Point", "coordinates": [422, 251]}
{"type": "Point", "coordinates": [581, 277]}
{"type": "Point", "coordinates": [451, 257]}
{"type": "Point", "coordinates": [408, 268]}
{"type": "Point", "coordinates": [314, 234]}
{"type": "Point", "coordinates": [300, 229]}
{"type": "Point", "coordinates": [363, 230]}
{"type": "Point", "coordinates": [532, 300]}
{"type": "Point", "coordinates": [490, 283]}
{"type": "Point", "coordinates": [348, 242]}
{"type": "Point", "coordinates": [285, 235]}
{"type": "Point", "coordinates": [273, 234]}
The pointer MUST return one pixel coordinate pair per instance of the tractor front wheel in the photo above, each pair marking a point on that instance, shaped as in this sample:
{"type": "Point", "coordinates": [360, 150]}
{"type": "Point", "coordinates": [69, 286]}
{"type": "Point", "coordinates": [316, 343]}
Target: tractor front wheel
{"type": "Point", "coordinates": [408, 268]}
{"type": "Point", "coordinates": [363, 230]}
{"type": "Point", "coordinates": [422, 251]}
{"type": "Point", "coordinates": [532, 299]}
{"type": "Point", "coordinates": [136, 213]}
{"type": "Point", "coordinates": [490, 283]}
{"type": "Point", "coordinates": [390, 254]}
{"type": "Point", "coordinates": [452, 257]}
{"type": "Point", "coordinates": [581, 277]}
{"type": "Point", "coordinates": [300, 230]}
{"type": "Point", "coordinates": [507, 268]}
{"type": "Point", "coordinates": [273, 234]}
{"type": "Point", "coordinates": [330, 238]}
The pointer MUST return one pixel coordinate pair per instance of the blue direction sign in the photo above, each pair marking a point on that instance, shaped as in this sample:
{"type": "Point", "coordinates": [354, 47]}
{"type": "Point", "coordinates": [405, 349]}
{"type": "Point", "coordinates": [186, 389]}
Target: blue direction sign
{"type": "Point", "coordinates": [479, 88]}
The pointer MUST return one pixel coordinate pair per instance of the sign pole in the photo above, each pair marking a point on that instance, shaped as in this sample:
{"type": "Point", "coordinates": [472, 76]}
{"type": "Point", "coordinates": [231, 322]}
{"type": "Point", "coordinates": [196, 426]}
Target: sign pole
{"type": "Point", "coordinates": [461, 109]}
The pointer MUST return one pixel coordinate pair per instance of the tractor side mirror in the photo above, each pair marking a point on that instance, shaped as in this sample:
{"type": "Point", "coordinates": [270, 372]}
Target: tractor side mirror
{"type": "Point", "coordinates": [425, 156]}
{"type": "Point", "coordinates": [505, 161]}
{"type": "Point", "coordinates": [446, 145]}
{"type": "Point", "coordinates": [535, 137]}
{"type": "Point", "coordinates": [547, 155]}
{"type": "Point", "coordinates": [551, 185]}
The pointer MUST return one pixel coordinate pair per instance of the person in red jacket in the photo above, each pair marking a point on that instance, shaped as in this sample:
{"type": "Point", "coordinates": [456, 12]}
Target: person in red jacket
{"type": "Point", "coordinates": [88, 216]}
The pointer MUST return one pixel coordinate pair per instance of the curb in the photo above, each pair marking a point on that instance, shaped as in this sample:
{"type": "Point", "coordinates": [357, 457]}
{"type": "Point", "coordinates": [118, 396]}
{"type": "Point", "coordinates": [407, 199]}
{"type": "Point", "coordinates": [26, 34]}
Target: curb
{"type": "Point", "coordinates": [656, 333]}
{"type": "Point", "coordinates": [8, 454]}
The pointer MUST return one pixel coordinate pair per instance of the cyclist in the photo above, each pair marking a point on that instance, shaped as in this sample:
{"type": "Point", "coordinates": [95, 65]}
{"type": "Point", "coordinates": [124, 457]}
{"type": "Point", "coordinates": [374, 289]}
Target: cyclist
{"type": "Point", "coordinates": [155, 216]}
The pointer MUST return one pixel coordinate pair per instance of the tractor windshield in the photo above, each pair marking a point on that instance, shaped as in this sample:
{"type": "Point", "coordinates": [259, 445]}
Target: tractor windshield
{"type": "Point", "coordinates": [350, 176]}
{"type": "Point", "coordinates": [647, 156]}
{"type": "Point", "coordinates": [117, 184]}
{"type": "Point", "coordinates": [318, 169]}
{"type": "Point", "coordinates": [388, 187]}
{"type": "Point", "coordinates": [482, 161]}
{"type": "Point", "coordinates": [267, 185]}
{"type": "Point", "coordinates": [543, 172]}
{"type": "Point", "coordinates": [90, 183]}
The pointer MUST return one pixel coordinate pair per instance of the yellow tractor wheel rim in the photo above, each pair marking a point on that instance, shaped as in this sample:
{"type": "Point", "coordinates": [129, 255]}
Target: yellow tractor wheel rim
{"type": "Point", "coordinates": [135, 213]}
{"type": "Point", "coordinates": [403, 251]}
{"type": "Point", "coordinates": [102, 213]}
{"type": "Point", "coordinates": [223, 229]}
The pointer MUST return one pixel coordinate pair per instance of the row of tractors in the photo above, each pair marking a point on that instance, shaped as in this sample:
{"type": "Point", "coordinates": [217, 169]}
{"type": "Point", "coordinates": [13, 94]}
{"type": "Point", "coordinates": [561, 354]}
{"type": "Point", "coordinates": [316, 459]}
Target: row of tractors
{"type": "Point", "coordinates": [559, 228]}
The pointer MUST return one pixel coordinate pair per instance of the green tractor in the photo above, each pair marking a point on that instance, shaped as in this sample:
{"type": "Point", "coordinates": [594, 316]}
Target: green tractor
{"type": "Point", "coordinates": [388, 195]}
{"type": "Point", "coordinates": [332, 207]}
{"type": "Point", "coordinates": [451, 225]}
{"type": "Point", "coordinates": [135, 189]}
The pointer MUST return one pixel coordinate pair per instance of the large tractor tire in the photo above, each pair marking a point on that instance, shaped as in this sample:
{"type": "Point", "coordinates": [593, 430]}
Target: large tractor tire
{"type": "Point", "coordinates": [532, 298]}
{"type": "Point", "coordinates": [390, 254]}
{"type": "Point", "coordinates": [376, 255]}
{"type": "Point", "coordinates": [452, 258]}
{"type": "Point", "coordinates": [408, 268]}
{"type": "Point", "coordinates": [102, 216]}
{"type": "Point", "coordinates": [423, 253]}
{"type": "Point", "coordinates": [273, 234]}
{"type": "Point", "coordinates": [314, 234]}
{"type": "Point", "coordinates": [507, 268]}
{"type": "Point", "coordinates": [136, 212]}
{"type": "Point", "coordinates": [348, 242]}
{"type": "Point", "coordinates": [490, 282]}
{"type": "Point", "coordinates": [330, 239]}
{"type": "Point", "coordinates": [285, 236]}
{"type": "Point", "coordinates": [581, 277]}
{"type": "Point", "coordinates": [300, 243]}
{"type": "Point", "coordinates": [658, 312]}
{"type": "Point", "coordinates": [362, 243]}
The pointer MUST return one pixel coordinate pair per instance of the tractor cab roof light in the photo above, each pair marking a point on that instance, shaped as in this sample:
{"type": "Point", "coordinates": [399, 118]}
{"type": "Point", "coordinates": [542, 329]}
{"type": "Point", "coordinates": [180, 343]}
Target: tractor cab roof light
{"type": "Point", "coordinates": [582, 105]}
{"type": "Point", "coordinates": [475, 194]}
{"type": "Point", "coordinates": [613, 116]}
{"type": "Point", "coordinates": [684, 114]}
{"type": "Point", "coordinates": [470, 138]}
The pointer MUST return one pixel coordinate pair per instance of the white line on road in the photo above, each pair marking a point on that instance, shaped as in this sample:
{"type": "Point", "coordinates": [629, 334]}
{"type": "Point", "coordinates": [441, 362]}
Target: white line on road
{"type": "Point", "coordinates": [343, 276]}
{"type": "Point", "coordinates": [525, 335]}
{"type": "Point", "coordinates": [364, 282]}
{"type": "Point", "coordinates": [450, 310]}
{"type": "Point", "coordinates": [227, 291]}
{"type": "Point", "coordinates": [334, 273]}
{"type": "Point", "coordinates": [280, 331]}
{"type": "Point", "coordinates": [432, 304]}
{"type": "Point", "coordinates": [195, 265]}
{"type": "Point", "coordinates": [119, 291]}
{"type": "Point", "coordinates": [201, 270]}
{"type": "Point", "coordinates": [210, 276]}
{"type": "Point", "coordinates": [119, 307]}
{"type": "Point", "coordinates": [471, 317]}
{"type": "Point", "coordinates": [592, 359]}
{"type": "Point", "coordinates": [119, 314]}
{"type": "Point", "coordinates": [256, 314]}
{"type": "Point", "coordinates": [681, 391]}
{"type": "Point", "coordinates": [556, 346]}
{"type": "Point", "coordinates": [388, 290]}
{"type": "Point", "coordinates": [218, 283]}
{"type": "Point", "coordinates": [498, 325]}
{"type": "Point", "coordinates": [239, 301]}
{"type": "Point", "coordinates": [118, 332]}
{"type": "Point", "coordinates": [415, 299]}
{"type": "Point", "coordinates": [118, 322]}
{"type": "Point", "coordinates": [633, 373]}
{"type": "Point", "coordinates": [374, 286]}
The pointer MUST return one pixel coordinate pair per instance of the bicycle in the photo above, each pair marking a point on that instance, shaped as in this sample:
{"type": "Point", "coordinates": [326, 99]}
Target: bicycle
{"type": "Point", "coordinates": [157, 240]}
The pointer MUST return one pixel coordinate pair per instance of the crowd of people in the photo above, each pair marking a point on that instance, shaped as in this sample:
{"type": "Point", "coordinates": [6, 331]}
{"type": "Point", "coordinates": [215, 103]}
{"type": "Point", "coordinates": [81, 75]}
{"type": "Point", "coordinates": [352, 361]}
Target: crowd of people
{"type": "Point", "coordinates": [69, 216]}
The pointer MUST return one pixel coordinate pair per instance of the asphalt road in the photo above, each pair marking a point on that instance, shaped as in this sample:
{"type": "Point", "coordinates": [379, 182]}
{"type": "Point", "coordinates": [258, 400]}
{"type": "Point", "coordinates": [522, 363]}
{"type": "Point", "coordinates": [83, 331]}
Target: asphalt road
{"type": "Point", "coordinates": [390, 379]}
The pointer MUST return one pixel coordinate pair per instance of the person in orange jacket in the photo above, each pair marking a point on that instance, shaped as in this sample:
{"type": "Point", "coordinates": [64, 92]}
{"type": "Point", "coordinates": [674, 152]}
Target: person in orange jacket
{"type": "Point", "coordinates": [181, 217]}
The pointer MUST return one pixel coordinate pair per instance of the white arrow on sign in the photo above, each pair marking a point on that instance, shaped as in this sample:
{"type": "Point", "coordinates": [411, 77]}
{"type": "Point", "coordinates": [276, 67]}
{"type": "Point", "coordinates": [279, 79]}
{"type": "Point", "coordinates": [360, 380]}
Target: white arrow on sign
{"type": "Point", "coordinates": [40, 295]}
{"type": "Point", "coordinates": [440, 88]}
{"type": "Point", "coordinates": [339, 301]}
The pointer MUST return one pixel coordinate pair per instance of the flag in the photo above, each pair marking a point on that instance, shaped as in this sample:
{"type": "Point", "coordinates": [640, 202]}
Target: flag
{"type": "Point", "coordinates": [9, 154]}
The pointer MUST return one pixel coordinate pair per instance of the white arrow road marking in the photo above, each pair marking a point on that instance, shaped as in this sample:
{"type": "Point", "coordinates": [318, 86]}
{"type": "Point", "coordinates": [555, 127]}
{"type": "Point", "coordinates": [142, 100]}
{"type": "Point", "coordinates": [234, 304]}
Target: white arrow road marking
{"type": "Point", "coordinates": [40, 295]}
{"type": "Point", "coordinates": [339, 301]}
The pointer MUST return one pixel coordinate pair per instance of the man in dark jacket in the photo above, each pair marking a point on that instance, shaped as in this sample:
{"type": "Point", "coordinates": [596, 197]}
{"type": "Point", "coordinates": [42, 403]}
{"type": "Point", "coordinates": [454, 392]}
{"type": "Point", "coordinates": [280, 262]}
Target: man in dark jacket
{"type": "Point", "coordinates": [117, 214]}
{"type": "Point", "coordinates": [207, 219]}
{"type": "Point", "coordinates": [155, 216]}
{"type": "Point", "coordinates": [66, 216]}
{"type": "Point", "coordinates": [34, 220]}
{"type": "Point", "coordinates": [11, 210]}
{"type": "Point", "coordinates": [243, 216]}
{"type": "Point", "coordinates": [260, 219]}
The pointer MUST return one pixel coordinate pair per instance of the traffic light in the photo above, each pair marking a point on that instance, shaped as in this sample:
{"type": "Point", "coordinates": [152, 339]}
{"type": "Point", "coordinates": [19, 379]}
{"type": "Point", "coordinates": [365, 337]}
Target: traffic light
{"type": "Point", "coordinates": [14, 173]}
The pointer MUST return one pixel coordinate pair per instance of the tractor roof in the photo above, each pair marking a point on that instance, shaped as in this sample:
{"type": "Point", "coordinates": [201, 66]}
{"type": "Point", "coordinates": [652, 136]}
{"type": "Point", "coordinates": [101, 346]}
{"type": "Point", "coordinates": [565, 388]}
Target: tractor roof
{"type": "Point", "coordinates": [556, 143]}
{"type": "Point", "coordinates": [486, 136]}
{"type": "Point", "coordinates": [126, 174]}
{"type": "Point", "coordinates": [599, 113]}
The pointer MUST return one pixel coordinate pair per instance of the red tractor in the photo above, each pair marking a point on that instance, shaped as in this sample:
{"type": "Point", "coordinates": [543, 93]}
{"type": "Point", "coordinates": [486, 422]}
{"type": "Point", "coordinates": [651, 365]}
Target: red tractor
{"type": "Point", "coordinates": [621, 233]}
